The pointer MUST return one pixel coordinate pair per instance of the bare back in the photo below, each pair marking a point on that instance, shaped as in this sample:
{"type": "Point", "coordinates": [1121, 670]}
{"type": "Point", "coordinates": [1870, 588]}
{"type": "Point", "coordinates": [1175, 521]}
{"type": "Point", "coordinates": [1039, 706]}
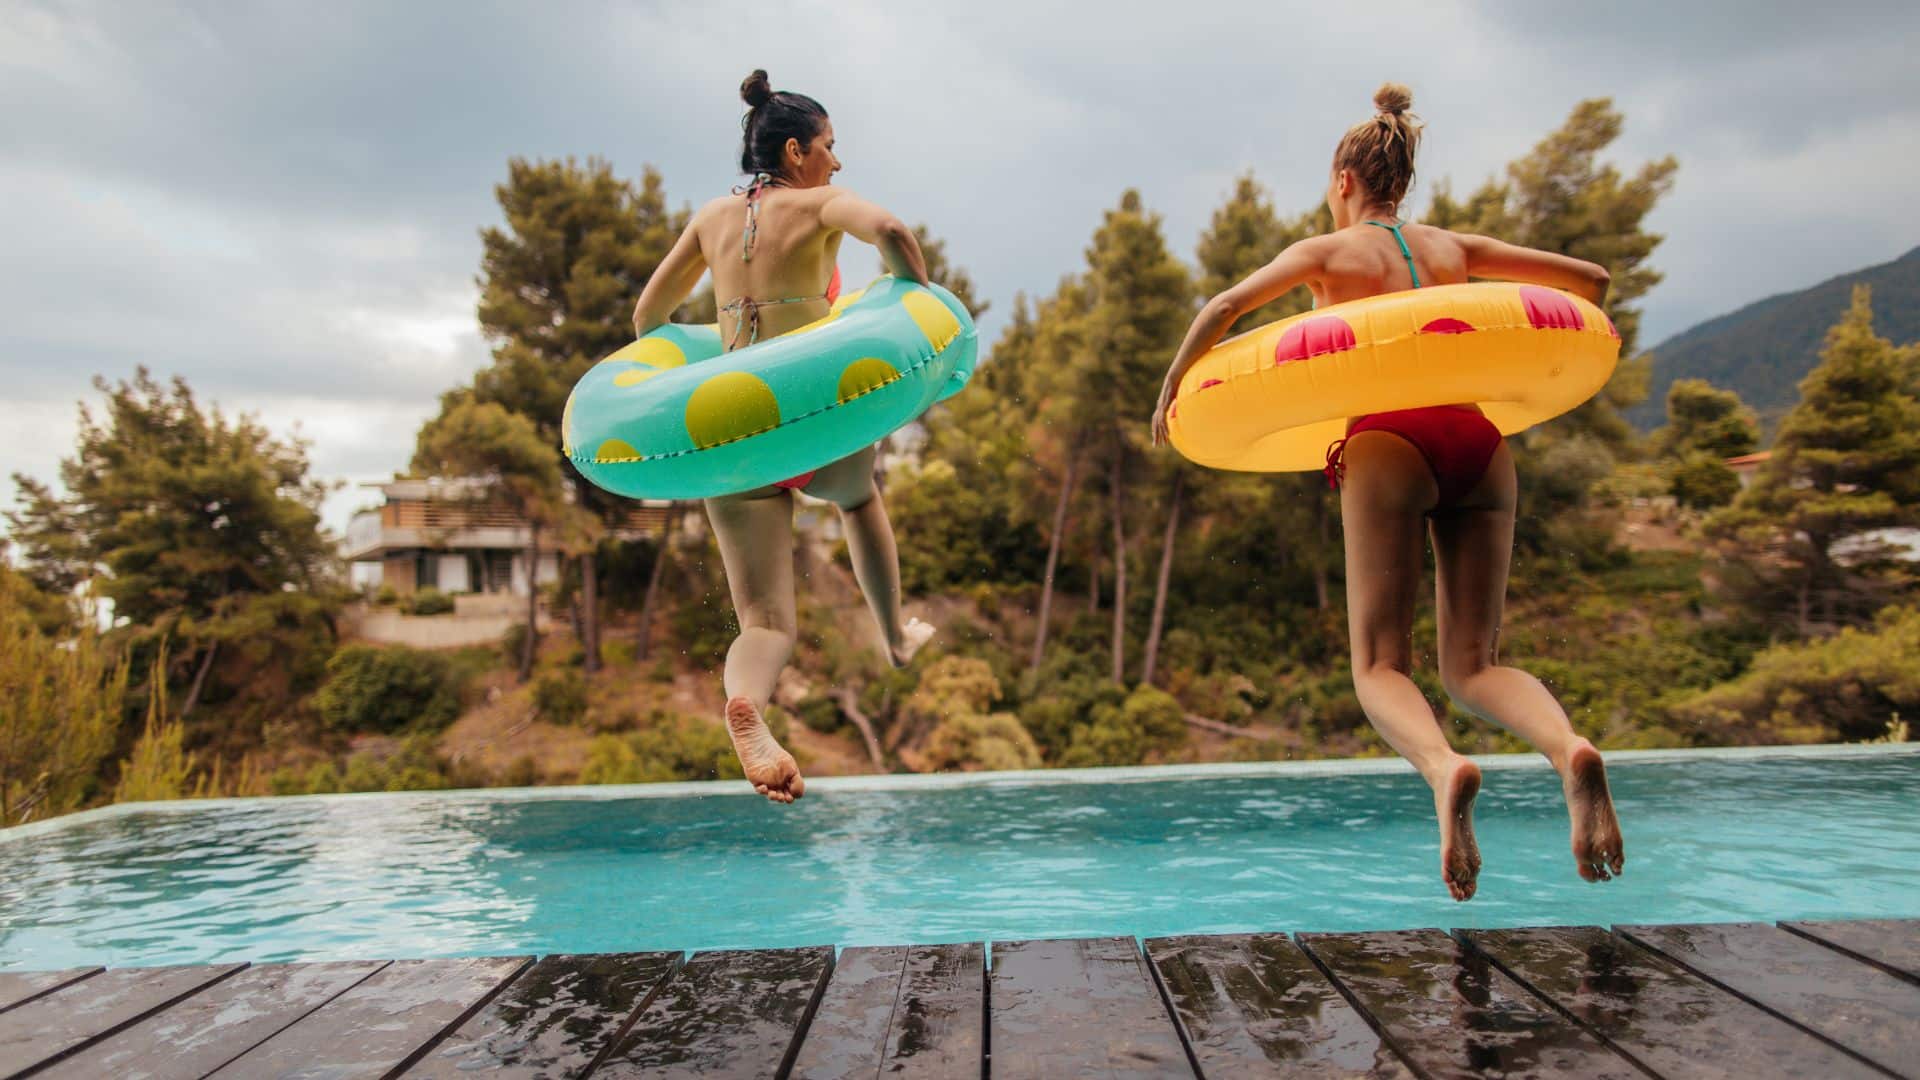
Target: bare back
{"type": "Point", "coordinates": [1362, 260]}
{"type": "Point", "coordinates": [793, 256]}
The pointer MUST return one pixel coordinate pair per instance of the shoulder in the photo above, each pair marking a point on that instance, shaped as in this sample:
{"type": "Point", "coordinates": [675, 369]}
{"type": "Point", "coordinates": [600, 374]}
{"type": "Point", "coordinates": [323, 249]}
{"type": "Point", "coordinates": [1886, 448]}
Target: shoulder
{"type": "Point", "coordinates": [712, 208]}
{"type": "Point", "coordinates": [1315, 249]}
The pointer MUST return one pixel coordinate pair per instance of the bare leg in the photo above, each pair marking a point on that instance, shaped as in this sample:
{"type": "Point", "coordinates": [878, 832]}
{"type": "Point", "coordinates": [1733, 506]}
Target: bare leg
{"type": "Point", "coordinates": [756, 545]}
{"type": "Point", "coordinates": [1387, 491]}
{"type": "Point", "coordinates": [848, 484]}
{"type": "Point", "coordinates": [1473, 547]}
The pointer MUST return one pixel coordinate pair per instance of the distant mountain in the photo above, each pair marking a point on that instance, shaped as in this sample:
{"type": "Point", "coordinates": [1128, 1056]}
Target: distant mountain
{"type": "Point", "coordinates": [1763, 350]}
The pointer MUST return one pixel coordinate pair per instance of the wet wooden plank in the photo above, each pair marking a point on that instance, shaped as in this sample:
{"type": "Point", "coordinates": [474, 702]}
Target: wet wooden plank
{"type": "Point", "coordinates": [1255, 1005]}
{"type": "Point", "coordinates": [940, 1026]}
{"type": "Point", "coordinates": [1078, 1007]}
{"type": "Point", "coordinates": [1449, 1013]}
{"type": "Point", "coordinates": [725, 1014]}
{"type": "Point", "coordinates": [216, 1025]}
{"type": "Point", "coordinates": [1856, 1005]}
{"type": "Point", "coordinates": [382, 1024]}
{"type": "Point", "coordinates": [1889, 944]}
{"type": "Point", "coordinates": [848, 1035]}
{"type": "Point", "coordinates": [554, 1020]}
{"type": "Point", "coordinates": [1668, 1019]}
{"type": "Point", "coordinates": [51, 1027]}
{"type": "Point", "coordinates": [20, 987]}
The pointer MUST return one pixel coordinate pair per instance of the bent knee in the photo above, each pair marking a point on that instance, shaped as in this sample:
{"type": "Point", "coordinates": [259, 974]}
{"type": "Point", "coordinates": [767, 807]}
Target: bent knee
{"type": "Point", "coordinates": [1457, 673]}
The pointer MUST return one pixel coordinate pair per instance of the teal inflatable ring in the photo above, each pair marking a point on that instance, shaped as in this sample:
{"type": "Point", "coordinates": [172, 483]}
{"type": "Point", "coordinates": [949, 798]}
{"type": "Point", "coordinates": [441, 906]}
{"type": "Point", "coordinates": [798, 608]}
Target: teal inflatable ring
{"type": "Point", "coordinates": [674, 416]}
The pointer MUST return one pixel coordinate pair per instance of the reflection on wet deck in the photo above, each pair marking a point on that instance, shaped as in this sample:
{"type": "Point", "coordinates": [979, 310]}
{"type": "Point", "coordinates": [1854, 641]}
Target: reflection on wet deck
{"type": "Point", "coordinates": [1735, 1000]}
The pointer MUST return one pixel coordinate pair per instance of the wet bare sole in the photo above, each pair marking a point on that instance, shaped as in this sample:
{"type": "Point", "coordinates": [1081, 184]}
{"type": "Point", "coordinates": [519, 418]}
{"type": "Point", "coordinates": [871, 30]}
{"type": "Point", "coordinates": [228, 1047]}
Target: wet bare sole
{"type": "Point", "coordinates": [770, 769]}
{"type": "Point", "coordinates": [1598, 851]}
{"type": "Point", "coordinates": [1459, 853]}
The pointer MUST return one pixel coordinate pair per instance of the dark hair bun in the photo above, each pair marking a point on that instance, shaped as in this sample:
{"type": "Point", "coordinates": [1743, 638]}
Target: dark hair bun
{"type": "Point", "coordinates": [755, 90]}
{"type": "Point", "coordinates": [1392, 98]}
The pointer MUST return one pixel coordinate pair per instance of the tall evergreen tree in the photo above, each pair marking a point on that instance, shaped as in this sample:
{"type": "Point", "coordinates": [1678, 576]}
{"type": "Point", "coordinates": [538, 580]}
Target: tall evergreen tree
{"type": "Point", "coordinates": [1140, 302]}
{"type": "Point", "coordinates": [197, 527]}
{"type": "Point", "coordinates": [1561, 197]}
{"type": "Point", "coordinates": [1846, 463]}
{"type": "Point", "coordinates": [557, 286]}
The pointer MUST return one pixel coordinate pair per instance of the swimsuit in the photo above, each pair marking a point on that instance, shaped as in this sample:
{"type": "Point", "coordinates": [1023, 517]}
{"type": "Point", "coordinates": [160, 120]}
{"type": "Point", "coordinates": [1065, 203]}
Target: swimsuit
{"type": "Point", "coordinates": [1457, 442]}
{"type": "Point", "coordinates": [746, 310]}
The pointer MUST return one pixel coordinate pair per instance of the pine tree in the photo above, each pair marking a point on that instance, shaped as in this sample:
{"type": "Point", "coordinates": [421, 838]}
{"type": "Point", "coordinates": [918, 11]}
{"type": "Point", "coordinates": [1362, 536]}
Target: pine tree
{"type": "Point", "coordinates": [1560, 197]}
{"type": "Point", "coordinates": [1846, 463]}
{"type": "Point", "coordinates": [197, 527]}
{"type": "Point", "coordinates": [1141, 301]}
{"type": "Point", "coordinates": [558, 284]}
{"type": "Point", "coordinates": [1702, 418]}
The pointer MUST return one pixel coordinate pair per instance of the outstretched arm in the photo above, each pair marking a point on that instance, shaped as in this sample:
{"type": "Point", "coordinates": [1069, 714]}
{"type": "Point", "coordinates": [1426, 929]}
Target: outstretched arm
{"type": "Point", "coordinates": [672, 282]}
{"type": "Point", "coordinates": [1490, 258]}
{"type": "Point", "coordinates": [870, 224]}
{"type": "Point", "coordinates": [1295, 266]}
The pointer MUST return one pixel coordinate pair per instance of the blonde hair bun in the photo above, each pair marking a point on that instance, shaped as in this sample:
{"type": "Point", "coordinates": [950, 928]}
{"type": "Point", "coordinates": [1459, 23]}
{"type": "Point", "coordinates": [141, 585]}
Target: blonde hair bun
{"type": "Point", "coordinates": [1393, 98]}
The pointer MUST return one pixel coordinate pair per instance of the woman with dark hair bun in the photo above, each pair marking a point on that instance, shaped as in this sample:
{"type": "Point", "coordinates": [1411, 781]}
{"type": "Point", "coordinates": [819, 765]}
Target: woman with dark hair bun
{"type": "Point", "coordinates": [772, 246]}
{"type": "Point", "coordinates": [1444, 471]}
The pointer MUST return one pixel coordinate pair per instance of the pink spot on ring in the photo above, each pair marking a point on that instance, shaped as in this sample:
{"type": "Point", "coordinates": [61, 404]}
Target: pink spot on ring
{"type": "Point", "coordinates": [1314, 337]}
{"type": "Point", "coordinates": [1210, 382]}
{"type": "Point", "coordinates": [1549, 310]}
{"type": "Point", "coordinates": [1447, 326]}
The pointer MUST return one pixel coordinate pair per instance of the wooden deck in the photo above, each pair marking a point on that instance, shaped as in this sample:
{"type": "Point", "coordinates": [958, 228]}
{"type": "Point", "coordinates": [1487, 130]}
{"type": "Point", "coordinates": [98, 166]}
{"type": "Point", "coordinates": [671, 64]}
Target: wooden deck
{"type": "Point", "coordinates": [1746, 1000]}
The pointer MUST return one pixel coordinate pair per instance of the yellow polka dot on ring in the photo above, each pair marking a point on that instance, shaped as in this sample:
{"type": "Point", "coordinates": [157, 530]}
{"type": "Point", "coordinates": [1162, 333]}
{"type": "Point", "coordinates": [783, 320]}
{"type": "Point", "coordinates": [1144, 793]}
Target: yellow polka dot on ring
{"type": "Point", "coordinates": [865, 375]}
{"type": "Point", "coordinates": [730, 406]}
{"type": "Point", "coordinates": [653, 352]}
{"type": "Point", "coordinates": [932, 317]}
{"type": "Point", "coordinates": [616, 450]}
{"type": "Point", "coordinates": [566, 427]}
{"type": "Point", "coordinates": [635, 375]}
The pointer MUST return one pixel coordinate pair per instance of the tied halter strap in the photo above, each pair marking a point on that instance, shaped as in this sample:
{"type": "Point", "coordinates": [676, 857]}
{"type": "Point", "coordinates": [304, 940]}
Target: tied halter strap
{"type": "Point", "coordinates": [1336, 463]}
{"type": "Point", "coordinates": [746, 310]}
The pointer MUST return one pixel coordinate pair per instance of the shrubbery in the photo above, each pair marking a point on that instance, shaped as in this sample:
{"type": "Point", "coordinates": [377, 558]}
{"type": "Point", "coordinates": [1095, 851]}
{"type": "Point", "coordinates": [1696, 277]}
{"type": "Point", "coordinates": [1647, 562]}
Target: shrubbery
{"type": "Point", "coordinates": [1851, 686]}
{"type": "Point", "coordinates": [560, 697]}
{"type": "Point", "coordinates": [668, 747]}
{"type": "Point", "coordinates": [384, 688]}
{"type": "Point", "coordinates": [429, 601]}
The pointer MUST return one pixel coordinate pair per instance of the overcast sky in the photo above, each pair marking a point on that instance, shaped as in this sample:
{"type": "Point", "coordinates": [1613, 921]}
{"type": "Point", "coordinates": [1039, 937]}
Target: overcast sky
{"type": "Point", "coordinates": [280, 201]}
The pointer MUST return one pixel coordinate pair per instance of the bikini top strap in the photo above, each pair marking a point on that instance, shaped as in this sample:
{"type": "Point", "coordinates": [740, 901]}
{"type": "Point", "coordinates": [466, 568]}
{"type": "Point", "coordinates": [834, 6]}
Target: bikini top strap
{"type": "Point", "coordinates": [761, 181]}
{"type": "Point", "coordinates": [1405, 252]}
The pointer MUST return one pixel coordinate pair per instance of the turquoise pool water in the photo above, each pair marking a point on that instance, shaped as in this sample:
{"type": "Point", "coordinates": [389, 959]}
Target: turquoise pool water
{"type": "Point", "coordinates": [1216, 850]}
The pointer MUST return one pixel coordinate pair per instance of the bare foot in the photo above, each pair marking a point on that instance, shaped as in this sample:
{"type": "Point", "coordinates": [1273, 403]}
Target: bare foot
{"type": "Point", "coordinates": [1598, 852]}
{"type": "Point", "coordinates": [912, 636]}
{"type": "Point", "coordinates": [1453, 804]}
{"type": "Point", "coordinates": [770, 769]}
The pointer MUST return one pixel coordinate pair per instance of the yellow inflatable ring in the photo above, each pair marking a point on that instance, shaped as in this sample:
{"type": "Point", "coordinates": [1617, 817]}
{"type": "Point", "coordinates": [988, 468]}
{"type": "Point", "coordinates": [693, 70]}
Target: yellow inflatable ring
{"type": "Point", "coordinates": [1273, 399]}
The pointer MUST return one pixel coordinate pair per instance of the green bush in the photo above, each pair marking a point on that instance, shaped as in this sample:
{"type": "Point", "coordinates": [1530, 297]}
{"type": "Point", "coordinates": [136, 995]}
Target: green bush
{"type": "Point", "coordinates": [668, 747]}
{"type": "Point", "coordinates": [560, 697]}
{"type": "Point", "coordinates": [512, 641]}
{"type": "Point", "coordinates": [1851, 687]}
{"type": "Point", "coordinates": [415, 766]}
{"type": "Point", "coordinates": [430, 601]}
{"type": "Point", "coordinates": [971, 741]}
{"type": "Point", "coordinates": [1149, 721]}
{"type": "Point", "coordinates": [385, 596]}
{"type": "Point", "coordinates": [1703, 482]}
{"type": "Point", "coordinates": [381, 688]}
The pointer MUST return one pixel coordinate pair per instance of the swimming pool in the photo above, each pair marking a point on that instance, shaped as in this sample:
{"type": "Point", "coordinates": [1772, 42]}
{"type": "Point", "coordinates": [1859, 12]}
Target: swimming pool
{"type": "Point", "coordinates": [1208, 849]}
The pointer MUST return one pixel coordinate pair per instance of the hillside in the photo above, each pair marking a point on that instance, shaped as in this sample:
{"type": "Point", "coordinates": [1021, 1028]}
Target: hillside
{"type": "Point", "coordinates": [1763, 350]}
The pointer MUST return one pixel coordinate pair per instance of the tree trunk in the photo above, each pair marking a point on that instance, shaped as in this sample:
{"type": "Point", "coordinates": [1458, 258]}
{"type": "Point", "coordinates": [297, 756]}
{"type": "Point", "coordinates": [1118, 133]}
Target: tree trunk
{"type": "Point", "coordinates": [590, 611]}
{"type": "Point", "coordinates": [1119, 574]}
{"type": "Point", "coordinates": [1053, 556]}
{"type": "Point", "coordinates": [1166, 573]}
{"type": "Point", "coordinates": [531, 638]}
{"type": "Point", "coordinates": [849, 703]}
{"type": "Point", "coordinates": [199, 679]}
{"type": "Point", "coordinates": [1323, 520]}
{"type": "Point", "coordinates": [654, 576]}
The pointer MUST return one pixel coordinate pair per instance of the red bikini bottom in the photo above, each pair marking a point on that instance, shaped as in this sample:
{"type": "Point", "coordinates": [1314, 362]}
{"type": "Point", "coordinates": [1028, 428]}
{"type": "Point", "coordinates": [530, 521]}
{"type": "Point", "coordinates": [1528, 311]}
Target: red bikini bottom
{"type": "Point", "coordinates": [1457, 443]}
{"type": "Point", "coordinates": [795, 483]}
